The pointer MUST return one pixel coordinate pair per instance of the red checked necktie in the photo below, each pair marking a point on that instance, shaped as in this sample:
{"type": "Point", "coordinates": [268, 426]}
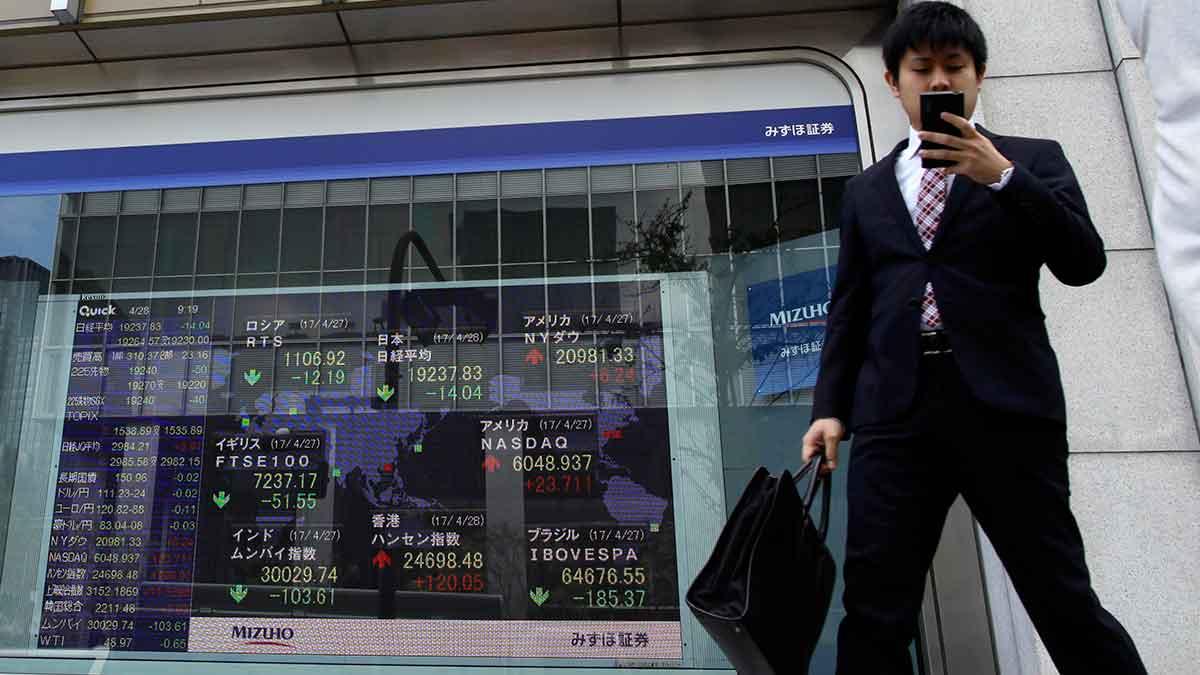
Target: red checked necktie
{"type": "Point", "coordinates": [931, 200]}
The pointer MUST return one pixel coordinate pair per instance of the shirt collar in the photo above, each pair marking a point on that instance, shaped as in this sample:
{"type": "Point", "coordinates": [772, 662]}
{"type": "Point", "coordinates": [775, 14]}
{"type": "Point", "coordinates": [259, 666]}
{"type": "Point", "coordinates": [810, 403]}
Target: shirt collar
{"type": "Point", "coordinates": [914, 141]}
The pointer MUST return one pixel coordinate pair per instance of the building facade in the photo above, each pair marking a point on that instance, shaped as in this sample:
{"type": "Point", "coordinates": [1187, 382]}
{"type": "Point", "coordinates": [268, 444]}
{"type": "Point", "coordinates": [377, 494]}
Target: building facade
{"type": "Point", "coordinates": [393, 230]}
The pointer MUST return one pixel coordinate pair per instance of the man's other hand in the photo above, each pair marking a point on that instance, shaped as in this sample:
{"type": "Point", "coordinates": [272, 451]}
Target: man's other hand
{"type": "Point", "coordinates": [824, 435]}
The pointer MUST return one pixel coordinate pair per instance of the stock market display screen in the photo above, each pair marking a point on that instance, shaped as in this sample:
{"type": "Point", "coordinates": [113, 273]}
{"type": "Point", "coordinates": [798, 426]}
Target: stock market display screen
{"type": "Point", "coordinates": [472, 471]}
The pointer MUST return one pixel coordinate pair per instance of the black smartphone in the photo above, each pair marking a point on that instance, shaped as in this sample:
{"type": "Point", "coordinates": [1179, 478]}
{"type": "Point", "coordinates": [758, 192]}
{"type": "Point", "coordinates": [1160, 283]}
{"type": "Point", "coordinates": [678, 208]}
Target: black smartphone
{"type": "Point", "coordinates": [933, 104]}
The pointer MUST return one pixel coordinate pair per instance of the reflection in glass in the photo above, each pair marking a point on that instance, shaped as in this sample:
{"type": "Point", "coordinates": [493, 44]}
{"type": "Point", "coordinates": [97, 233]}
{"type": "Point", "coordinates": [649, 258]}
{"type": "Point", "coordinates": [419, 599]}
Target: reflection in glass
{"type": "Point", "coordinates": [387, 223]}
{"type": "Point", "coordinates": [832, 190]}
{"type": "Point", "coordinates": [255, 280]}
{"type": "Point", "coordinates": [218, 243]}
{"type": "Point", "coordinates": [137, 285]}
{"type": "Point", "coordinates": [752, 216]}
{"type": "Point", "coordinates": [89, 286]}
{"type": "Point", "coordinates": [521, 228]}
{"type": "Point", "coordinates": [176, 243]}
{"type": "Point", "coordinates": [567, 228]}
{"type": "Point", "coordinates": [650, 202]}
{"type": "Point", "coordinates": [300, 279]}
{"type": "Point", "coordinates": [345, 237]}
{"type": "Point", "coordinates": [707, 232]}
{"type": "Point", "coordinates": [523, 271]}
{"type": "Point", "coordinates": [301, 240]}
{"type": "Point", "coordinates": [64, 268]}
{"type": "Point", "coordinates": [135, 246]}
{"type": "Point", "coordinates": [567, 269]}
{"type": "Point", "coordinates": [341, 278]}
{"type": "Point", "coordinates": [799, 207]}
{"type": "Point", "coordinates": [260, 231]}
{"type": "Point", "coordinates": [611, 214]}
{"type": "Point", "coordinates": [95, 251]}
{"type": "Point", "coordinates": [477, 232]}
{"type": "Point", "coordinates": [434, 221]}
{"type": "Point", "coordinates": [477, 272]}
{"type": "Point", "coordinates": [172, 283]}
{"type": "Point", "coordinates": [211, 282]}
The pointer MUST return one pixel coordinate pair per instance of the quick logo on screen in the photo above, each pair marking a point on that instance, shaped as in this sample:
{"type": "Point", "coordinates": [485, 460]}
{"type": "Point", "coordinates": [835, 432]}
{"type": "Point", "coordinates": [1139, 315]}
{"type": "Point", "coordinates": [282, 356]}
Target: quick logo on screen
{"type": "Point", "coordinates": [84, 310]}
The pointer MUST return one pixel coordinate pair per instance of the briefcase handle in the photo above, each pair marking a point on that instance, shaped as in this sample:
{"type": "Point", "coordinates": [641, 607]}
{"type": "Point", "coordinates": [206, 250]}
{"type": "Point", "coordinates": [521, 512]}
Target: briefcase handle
{"type": "Point", "coordinates": [810, 495]}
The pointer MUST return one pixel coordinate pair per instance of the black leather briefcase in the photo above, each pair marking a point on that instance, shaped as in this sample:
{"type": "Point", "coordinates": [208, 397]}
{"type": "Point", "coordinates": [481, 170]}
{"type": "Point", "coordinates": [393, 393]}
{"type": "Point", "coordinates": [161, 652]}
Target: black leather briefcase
{"type": "Point", "coordinates": [764, 593]}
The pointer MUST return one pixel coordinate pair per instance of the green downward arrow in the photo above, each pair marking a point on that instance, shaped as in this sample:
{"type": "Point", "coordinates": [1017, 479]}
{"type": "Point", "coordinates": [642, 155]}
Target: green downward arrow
{"type": "Point", "coordinates": [221, 499]}
{"type": "Point", "coordinates": [238, 593]}
{"type": "Point", "coordinates": [385, 392]}
{"type": "Point", "coordinates": [252, 376]}
{"type": "Point", "coordinates": [539, 596]}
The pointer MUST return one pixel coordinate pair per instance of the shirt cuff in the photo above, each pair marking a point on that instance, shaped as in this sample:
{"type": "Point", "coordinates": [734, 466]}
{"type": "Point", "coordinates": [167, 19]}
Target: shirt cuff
{"type": "Point", "coordinates": [1005, 176]}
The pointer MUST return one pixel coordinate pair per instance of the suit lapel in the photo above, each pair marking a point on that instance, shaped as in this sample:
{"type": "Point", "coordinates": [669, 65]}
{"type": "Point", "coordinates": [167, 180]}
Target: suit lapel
{"type": "Point", "coordinates": [960, 192]}
{"type": "Point", "coordinates": [893, 200]}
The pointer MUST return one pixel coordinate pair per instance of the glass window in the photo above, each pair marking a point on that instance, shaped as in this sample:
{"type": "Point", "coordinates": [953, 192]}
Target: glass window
{"type": "Point", "coordinates": [751, 216]}
{"type": "Point", "coordinates": [172, 283]}
{"type": "Point", "coordinates": [567, 236]}
{"type": "Point", "coordinates": [341, 278]}
{"type": "Point", "coordinates": [434, 221]}
{"type": "Point", "coordinates": [218, 243]}
{"type": "Point", "coordinates": [345, 237]}
{"type": "Point", "coordinates": [521, 228]}
{"type": "Point", "coordinates": [176, 244]}
{"type": "Point", "coordinates": [832, 190]}
{"type": "Point", "coordinates": [135, 245]}
{"type": "Point", "coordinates": [611, 215]}
{"type": "Point", "coordinates": [211, 282]}
{"type": "Point", "coordinates": [707, 231]}
{"type": "Point", "coordinates": [799, 207]}
{"type": "Point", "coordinates": [65, 266]}
{"type": "Point", "coordinates": [477, 232]}
{"type": "Point", "coordinates": [388, 222]}
{"type": "Point", "coordinates": [653, 202]}
{"type": "Point", "coordinates": [260, 231]}
{"type": "Point", "coordinates": [131, 285]}
{"type": "Point", "coordinates": [477, 273]}
{"type": "Point", "coordinates": [95, 250]}
{"type": "Point", "coordinates": [266, 330]}
{"type": "Point", "coordinates": [255, 280]}
{"type": "Point", "coordinates": [300, 243]}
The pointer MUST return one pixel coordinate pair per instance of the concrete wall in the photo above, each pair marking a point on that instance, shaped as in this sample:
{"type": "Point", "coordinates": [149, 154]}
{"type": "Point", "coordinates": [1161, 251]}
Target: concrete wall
{"type": "Point", "coordinates": [1072, 74]}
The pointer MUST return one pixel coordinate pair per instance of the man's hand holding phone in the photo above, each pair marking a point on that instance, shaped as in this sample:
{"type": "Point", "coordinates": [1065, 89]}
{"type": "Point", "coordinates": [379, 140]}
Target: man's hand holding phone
{"type": "Point", "coordinates": [972, 154]}
{"type": "Point", "coordinates": [824, 436]}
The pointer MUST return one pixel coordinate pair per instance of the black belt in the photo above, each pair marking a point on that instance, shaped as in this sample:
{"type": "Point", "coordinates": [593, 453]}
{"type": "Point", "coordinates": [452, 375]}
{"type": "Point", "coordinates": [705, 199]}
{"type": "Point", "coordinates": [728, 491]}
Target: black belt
{"type": "Point", "coordinates": [934, 342]}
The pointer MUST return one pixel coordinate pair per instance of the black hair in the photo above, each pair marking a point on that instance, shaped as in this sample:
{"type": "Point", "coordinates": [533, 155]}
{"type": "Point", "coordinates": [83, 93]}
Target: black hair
{"type": "Point", "coordinates": [935, 25]}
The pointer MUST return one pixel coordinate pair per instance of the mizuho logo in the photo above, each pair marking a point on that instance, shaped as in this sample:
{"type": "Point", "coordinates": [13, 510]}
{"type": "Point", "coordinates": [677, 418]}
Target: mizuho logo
{"type": "Point", "coordinates": [795, 315]}
{"type": "Point", "coordinates": [97, 311]}
{"type": "Point", "coordinates": [263, 634]}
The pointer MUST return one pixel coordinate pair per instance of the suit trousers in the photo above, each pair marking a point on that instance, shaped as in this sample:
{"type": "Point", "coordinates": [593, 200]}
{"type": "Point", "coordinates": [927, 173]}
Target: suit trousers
{"type": "Point", "coordinates": [1012, 472]}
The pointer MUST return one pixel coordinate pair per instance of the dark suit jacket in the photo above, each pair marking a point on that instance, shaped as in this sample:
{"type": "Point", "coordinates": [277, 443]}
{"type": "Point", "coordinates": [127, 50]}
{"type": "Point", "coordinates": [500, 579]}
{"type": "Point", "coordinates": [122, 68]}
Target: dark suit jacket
{"type": "Point", "coordinates": [984, 264]}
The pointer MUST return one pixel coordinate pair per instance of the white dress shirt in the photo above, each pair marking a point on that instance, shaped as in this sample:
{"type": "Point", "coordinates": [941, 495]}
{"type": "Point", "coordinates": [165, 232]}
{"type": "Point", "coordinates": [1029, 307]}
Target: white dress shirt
{"type": "Point", "coordinates": [909, 172]}
{"type": "Point", "coordinates": [1166, 32]}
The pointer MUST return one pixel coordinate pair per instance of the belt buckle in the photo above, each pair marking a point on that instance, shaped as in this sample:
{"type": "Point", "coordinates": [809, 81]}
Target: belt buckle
{"type": "Point", "coordinates": [934, 342]}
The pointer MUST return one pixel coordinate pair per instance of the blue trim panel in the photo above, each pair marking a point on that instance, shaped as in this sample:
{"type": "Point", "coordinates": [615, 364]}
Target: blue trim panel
{"type": "Point", "coordinates": [431, 151]}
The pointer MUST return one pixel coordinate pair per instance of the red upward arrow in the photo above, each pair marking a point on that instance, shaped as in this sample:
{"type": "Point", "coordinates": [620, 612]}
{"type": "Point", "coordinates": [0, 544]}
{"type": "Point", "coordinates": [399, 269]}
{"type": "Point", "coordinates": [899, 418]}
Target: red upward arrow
{"type": "Point", "coordinates": [491, 464]}
{"type": "Point", "coordinates": [534, 357]}
{"type": "Point", "coordinates": [382, 560]}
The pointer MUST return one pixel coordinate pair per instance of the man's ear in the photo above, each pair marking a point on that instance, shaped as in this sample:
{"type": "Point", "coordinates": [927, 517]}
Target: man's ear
{"type": "Point", "coordinates": [892, 83]}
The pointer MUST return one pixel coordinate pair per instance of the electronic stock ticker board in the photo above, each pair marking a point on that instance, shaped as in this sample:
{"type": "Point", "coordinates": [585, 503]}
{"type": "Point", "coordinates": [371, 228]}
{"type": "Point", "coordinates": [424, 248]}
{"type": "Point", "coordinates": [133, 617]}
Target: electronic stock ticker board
{"type": "Point", "coordinates": [464, 471]}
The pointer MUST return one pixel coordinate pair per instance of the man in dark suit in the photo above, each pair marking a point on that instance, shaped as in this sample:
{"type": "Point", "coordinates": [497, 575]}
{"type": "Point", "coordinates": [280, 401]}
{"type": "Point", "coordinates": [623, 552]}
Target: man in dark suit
{"type": "Point", "coordinates": [936, 357]}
